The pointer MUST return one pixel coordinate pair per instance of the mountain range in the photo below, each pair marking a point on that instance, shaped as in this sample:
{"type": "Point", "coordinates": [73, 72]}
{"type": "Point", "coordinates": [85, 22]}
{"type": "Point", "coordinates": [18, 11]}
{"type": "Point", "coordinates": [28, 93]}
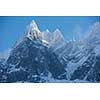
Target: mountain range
{"type": "Point", "coordinates": [41, 57]}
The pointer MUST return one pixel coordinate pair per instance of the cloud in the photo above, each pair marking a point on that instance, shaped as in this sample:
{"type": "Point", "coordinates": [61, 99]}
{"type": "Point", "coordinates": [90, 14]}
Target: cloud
{"type": "Point", "coordinates": [5, 54]}
{"type": "Point", "coordinates": [77, 32]}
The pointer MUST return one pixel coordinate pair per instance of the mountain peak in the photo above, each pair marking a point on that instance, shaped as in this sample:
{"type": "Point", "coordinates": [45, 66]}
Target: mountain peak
{"type": "Point", "coordinates": [57, 31]}
{"type": "Point", "coordinates": [96, 27]}
{"type": "Point", "coordinates": [33, 26]}
{"type": "Point", "coordinates": [47, 31]}
{"type": "Point", "coordinates": [94, 32]}
{"type": "Point", "coordinates": [33, 31]}
{"type": "Point", "coordinates": [33, 23]}
{"type": "Point", "coordinates": [57, 34]}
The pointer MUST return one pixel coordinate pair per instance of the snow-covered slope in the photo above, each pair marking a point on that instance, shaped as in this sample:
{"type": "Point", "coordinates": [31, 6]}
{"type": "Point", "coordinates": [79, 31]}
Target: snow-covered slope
{"type": "Point", "coordinates": [46, 35]}
{"type": "Point", "coordinates": [57, 40]}
{"type": "Point", "coordinates": [81, 57]}
{"type": "Point", "coordinates": [90, 69]}
{"type": "Point", "coordinates": [33, 33]}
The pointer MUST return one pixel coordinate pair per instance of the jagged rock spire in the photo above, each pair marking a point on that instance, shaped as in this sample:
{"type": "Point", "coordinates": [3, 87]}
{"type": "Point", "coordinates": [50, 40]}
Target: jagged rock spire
{"type": "Point", "coordinates": [33, 31]}
{"type": "Point", "coordinates": [33, 26]}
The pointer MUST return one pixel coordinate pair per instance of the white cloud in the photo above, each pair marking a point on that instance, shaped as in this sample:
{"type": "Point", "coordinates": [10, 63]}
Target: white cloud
{"type": "Point", "coordinates": [5, 54]}
{"type": "Point", "coordinates": [77, 32]}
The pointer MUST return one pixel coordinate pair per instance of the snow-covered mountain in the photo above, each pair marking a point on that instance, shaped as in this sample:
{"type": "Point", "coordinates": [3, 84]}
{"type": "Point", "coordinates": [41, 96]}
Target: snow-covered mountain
{"type": "Point", "coordinates": [55, 40]}
{"type": "Point", "coordinates": [52, 40]}
{"type": "Point", "coordinates": [31, 60]}
{"type": "Point", "coordinates": [90, 68]}
{"type": "Point", "coordinates": [47, 57]}
{"type": "Point", "coordinates": [82, 58]}
{"type": "Point", "coordinates": [32, 32]}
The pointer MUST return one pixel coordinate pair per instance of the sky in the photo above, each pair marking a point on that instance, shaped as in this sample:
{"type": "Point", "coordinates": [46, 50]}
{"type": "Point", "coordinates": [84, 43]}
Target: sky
{"type": "Point", "coordinates": [11, 27]}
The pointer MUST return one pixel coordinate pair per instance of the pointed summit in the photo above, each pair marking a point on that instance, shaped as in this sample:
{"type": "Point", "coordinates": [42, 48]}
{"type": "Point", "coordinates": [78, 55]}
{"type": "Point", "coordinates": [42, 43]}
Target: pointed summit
{"type": "Point", "coordinates": [33, 26]}
{"type": "Point", "coordinates": [57, 34]}
{"type": "Point", "coordinates": [46, 35]}
{"type": "Point", "coordinates": [94, 32]}
{"type": "Point", "coordinates": [33, 31]}
{"type": "Point", "coordinates": [96, 27]}
{"type": "Point", "coordinates": [57, 40]}
{"type": "Point", "coordinates": [57, 31]}
{"type": "Point", "coordinates": [47, 31]}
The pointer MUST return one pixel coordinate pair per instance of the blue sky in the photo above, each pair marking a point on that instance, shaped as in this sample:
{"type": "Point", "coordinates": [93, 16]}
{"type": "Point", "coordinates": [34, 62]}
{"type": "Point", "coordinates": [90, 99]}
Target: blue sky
{"type": "Point", "coordinates": [12, 27]}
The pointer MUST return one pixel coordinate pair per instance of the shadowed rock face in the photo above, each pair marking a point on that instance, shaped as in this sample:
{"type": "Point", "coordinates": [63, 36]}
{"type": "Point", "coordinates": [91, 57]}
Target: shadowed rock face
{"type": "Point", "coordinates": [89, 70]}
{"type": "Point", "coordinates": [29, 60]}
{"type": "Point", "coordinates": [3, 71]}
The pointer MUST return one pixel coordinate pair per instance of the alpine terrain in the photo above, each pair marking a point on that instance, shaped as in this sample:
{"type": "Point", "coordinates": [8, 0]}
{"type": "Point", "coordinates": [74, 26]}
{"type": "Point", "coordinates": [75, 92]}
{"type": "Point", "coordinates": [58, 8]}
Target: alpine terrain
{"type": "Point", "coordinates": [41, 57]}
